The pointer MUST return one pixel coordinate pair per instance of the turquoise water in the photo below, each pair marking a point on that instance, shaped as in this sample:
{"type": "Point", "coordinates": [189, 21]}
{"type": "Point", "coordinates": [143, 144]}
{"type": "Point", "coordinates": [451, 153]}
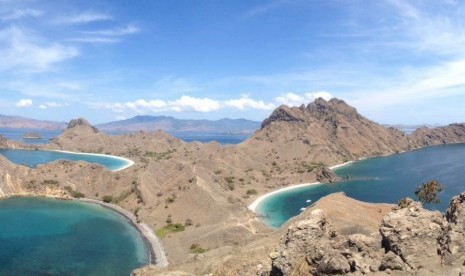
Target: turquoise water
{"type": "Point", "coordinates": [32, 158]}
{"type": "Point", "coordinates": [381, 179]}
{"type": "Point", "coordinates": [41, 236]}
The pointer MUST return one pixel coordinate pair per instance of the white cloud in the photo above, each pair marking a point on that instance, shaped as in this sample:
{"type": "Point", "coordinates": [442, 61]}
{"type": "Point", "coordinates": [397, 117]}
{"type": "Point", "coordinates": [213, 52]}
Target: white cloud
{"type": "Point", "coordinates": [17, 14]}
{"type": "Point", "coordinates": [187, 103]}
{"type": "Point", "coordinates": [83, 18]}
{"type": "Point", "coordinates": [291, 99]}
{"type": "Point", "coordinates": [19, 52]}
{"type": "Point", "coordinates": [246, 102]}
{"type": "Point", "coordinates": [52, 105]}
{"type": "Point", "coordinates": [24, 103]}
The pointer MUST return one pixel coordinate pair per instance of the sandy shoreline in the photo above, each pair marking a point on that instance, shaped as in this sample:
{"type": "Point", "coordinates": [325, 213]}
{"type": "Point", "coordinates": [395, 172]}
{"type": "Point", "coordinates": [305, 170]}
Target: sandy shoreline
{"type": "Point", "coordinates": [157, 253]}
{"type": "Point", "coordinates": [254, 205]}
{"type": "Point", "coordinates": [129, 162]}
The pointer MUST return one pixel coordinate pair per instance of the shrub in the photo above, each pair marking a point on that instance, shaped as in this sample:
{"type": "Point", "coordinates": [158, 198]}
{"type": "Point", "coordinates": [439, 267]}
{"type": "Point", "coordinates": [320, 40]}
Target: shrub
{"type": "Point", "coordinates": [188, 222]}
{"type": "Point", "coordinates": [429, 192]}
{"type": "Point", "coordinates": [197, 249]}
{"type": "Point", "coordinates": [107, 198]}
{"type": "Point", "coordinates": [251, 192]}
{"type": "Point", "coordinates": [170, 228]}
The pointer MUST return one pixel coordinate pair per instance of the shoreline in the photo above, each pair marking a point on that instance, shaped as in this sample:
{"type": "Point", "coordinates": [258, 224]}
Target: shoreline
{"type": "Point", "coordinates": [256, 202]}
{"type": "Point", "coordinates": [157, 254]}
{"type": "Point", "coordinates": [254, 205]}
{"type": "Point", "coordinates": [156, 251]}
{"type": "Point", "coordinates": [129, 162]}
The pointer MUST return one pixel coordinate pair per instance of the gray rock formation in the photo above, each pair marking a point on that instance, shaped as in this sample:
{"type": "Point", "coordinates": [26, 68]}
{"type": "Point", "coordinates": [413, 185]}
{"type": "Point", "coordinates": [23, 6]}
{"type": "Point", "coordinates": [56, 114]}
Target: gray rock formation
{"type": "Point", "coordinates": [452, 241]}
{"type": "Point", "coordinates": [81, 122]}
{"type": "Point", "coordinates": [412, 233]}
{"type": "Point", "coordinates": [413, 240]}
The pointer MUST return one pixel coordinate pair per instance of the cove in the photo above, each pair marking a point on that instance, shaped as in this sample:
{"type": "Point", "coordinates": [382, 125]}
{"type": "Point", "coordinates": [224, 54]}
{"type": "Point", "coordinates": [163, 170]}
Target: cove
{"type": "Point", "coordinates": [32, 158]}
{"type": "Point", "coordinates": [41, 236]}
{"type": "Point", "coordinates": [384, 179]}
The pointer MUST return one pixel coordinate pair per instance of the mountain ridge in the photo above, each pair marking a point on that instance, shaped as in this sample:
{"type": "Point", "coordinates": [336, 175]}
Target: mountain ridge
{"type": "Point", "coordinates": [171, 124]}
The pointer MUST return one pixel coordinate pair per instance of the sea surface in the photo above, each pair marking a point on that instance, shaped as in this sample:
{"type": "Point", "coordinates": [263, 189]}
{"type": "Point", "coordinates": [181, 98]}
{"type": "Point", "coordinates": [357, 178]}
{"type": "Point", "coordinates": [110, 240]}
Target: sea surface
{"type": "Point", "coordinates": [40, 236]}
{"type": "Point", "coordinates": [32, 158]}
{"type": "Point", "coordinates": [203, 137]}
{"type": "Point", "coordinates": [380, 179]}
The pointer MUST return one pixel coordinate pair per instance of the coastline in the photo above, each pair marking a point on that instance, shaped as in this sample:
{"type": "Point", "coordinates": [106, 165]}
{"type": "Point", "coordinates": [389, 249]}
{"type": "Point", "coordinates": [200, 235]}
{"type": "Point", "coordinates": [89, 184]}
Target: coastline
{"type": "Point", "coordinates": [253, 206]}
{"type": "Point", "coordinates": [129, 162]}
{"type": "Point", "coordinates": [157, 253]}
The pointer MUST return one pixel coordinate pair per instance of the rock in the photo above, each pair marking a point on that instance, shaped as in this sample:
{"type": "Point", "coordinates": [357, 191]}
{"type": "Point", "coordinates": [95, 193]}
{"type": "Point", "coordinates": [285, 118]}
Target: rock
{"type": "Point", "coordinates": [391, 261]}
{"type": "Point", "coordinates": [325, 175]}
{"type": "Point", "coordinates": [453, 240]}
{"type": "Point", "coordinates": [310, 243]}
{"type": "Point", "coordinates": [282, 113]}
{"type": "Point", "coordinates": [81, 122]}
{"type": "Point", "coordinates": [412, 233]}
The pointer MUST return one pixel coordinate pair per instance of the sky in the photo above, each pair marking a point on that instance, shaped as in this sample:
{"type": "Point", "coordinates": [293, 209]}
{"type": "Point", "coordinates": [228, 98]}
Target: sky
{"type": "Point", "coordinates": [397, 62]}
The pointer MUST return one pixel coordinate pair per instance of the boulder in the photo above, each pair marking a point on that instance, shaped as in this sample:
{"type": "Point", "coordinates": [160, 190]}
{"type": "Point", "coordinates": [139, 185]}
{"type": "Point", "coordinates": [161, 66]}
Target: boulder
{"type": "Point", "coordinates": [412, 233]}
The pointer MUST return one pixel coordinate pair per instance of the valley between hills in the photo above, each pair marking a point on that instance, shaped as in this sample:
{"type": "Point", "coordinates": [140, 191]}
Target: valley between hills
{"type": "Point", "coordinates": [207, 187]}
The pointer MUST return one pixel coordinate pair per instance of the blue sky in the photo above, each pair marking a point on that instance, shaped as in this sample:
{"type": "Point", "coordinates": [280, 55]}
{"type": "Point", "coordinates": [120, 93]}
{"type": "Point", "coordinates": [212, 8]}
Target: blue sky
{"type": "Point", "coordinates": [395, 61]}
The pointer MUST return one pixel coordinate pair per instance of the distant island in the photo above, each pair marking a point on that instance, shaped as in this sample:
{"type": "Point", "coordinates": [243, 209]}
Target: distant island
{"type": "Point", "coordinates": [32, 135]}
{"type": "Point", "coordinates": [170, 124]}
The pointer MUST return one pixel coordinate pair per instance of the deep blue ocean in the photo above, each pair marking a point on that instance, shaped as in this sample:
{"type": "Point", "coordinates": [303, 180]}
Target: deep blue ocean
{"type": "Point", "coordinates": [222, 138]}
{"type": "Point", "coordinates": [41, 236]}
{"type": "Point", "coordinates": [381, 179]}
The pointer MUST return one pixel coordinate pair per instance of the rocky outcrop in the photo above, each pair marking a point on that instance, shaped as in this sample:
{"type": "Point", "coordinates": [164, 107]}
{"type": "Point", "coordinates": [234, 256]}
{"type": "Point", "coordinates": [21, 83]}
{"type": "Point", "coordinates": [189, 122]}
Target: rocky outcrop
{"type": "Point", "coordinates": [312, 247]}
{"type": "Point", "coordinates": [452, 241]}
{"type": "Point", "coordinates": [412, 239]}
{"type": "Point", "coordinates": [412, 234]}
{"type": "Point", "coordinates": [81, 123]}
{"type": "Point", "coordinates": [326, 175]}
{"type": "Point", "coordinates": [3, 142]}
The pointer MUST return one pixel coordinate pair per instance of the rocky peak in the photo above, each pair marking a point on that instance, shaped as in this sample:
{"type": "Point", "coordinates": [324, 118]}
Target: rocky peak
{"type": "Point", "coordinates": [81, 123]}
{"type": "Point", "coordinates": [283, 113]}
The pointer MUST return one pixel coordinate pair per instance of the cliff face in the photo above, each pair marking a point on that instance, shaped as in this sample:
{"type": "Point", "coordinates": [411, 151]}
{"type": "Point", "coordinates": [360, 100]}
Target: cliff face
{"type": "Point", "coordinates": [453, 133]}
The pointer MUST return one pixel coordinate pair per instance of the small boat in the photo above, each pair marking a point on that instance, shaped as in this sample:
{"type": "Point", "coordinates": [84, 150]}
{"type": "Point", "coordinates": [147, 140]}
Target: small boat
{"type": "Point", "coordinates": [308, 200]}
{"type": "Point", "coordinates": [303, 209]}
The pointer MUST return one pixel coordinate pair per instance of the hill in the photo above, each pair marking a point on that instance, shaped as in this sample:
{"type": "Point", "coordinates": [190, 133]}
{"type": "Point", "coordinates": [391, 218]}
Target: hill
{"type": "Point", "coordinates": [21, 122]}
{"type": "Point", "coordinates": [170, 124]}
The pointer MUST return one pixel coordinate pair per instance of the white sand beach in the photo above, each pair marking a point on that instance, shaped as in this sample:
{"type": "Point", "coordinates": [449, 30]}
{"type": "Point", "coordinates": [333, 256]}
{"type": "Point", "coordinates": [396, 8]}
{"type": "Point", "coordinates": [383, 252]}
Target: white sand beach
{"type": "Point", "coordinates": [257, 201]}
{"type": "Point", "coordinates": [157, 253]}
{"type": "Point", "coordinates": [129, 162]}
{"type": "Point", "coordinates": [254, 205]}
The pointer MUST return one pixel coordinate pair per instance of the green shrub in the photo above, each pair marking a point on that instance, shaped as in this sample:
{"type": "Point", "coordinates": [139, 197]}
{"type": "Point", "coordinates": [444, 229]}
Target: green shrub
{"type": "Point", "coordinates": [197, 249]}
{"type": "Point", "coordinates": [170, 228]}
{"type": "Point", "coordinates": [107, 198]}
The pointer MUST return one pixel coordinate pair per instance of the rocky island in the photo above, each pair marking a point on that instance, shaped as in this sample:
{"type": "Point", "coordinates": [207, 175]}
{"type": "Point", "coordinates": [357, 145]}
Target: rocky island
{"type": "Point", "coordinates": [196, 195]}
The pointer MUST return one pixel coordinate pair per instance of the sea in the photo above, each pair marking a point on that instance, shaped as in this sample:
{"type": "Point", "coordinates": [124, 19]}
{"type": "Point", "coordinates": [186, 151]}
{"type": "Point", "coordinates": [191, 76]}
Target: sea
{"type": "Point", "coordinates": [40, 236]}
{"type": "Point", "coordinates": [380, 180]}
{"type": "Point", "coordinates": [32, 158]}
{"type": "Point", "coordinates": [203, 137]}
